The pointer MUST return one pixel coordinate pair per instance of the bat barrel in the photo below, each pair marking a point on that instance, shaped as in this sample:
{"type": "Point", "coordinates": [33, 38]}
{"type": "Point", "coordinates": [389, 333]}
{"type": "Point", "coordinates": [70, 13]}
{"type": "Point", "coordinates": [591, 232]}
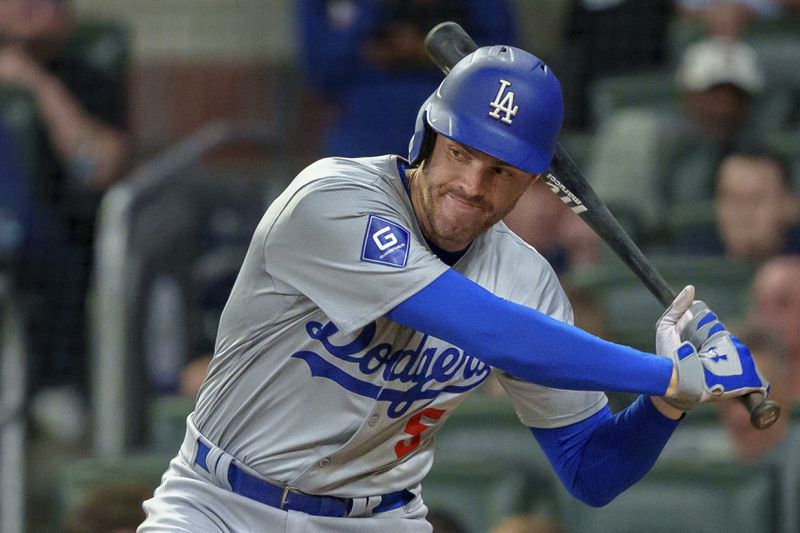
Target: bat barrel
{"type": "Point", "coordinates": [447, 43]}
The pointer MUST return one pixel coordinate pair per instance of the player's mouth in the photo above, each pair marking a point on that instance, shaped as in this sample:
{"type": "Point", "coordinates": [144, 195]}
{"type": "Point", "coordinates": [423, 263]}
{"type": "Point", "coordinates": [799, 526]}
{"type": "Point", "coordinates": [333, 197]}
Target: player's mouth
{"type": "Point", "coordinates": [463, 203]}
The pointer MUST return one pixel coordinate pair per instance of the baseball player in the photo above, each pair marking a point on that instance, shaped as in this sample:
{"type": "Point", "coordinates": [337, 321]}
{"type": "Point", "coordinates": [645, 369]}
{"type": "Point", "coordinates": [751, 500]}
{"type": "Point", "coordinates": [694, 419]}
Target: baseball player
{"type": "Point", "coordinates": [379, 292]}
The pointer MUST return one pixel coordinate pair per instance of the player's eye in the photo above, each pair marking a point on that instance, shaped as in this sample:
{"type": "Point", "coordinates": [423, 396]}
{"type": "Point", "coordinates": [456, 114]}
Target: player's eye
{"type": "Point", "coordinates": [458, 154]}
{"type": "Point", "coordinates": [503, 173]}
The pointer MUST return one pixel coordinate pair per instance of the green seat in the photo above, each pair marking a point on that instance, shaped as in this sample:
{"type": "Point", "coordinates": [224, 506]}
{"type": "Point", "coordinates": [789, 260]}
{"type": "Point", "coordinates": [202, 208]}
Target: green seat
{"type": "Point", "coordinates": [486, 429]}
{"type": "Point", "coordinates": [654, 90]}
{"type": "Point", "coordinates": [578, 145]}
{"type": "Point", "coordinates": [633, 311]}
{"type": "Point", "coordinates": [700, 436]}
{"type": "Point", "coordinates": [105, 45]}
{"type": "Point", "coordinates": [475, 428]}
{"type": "Point", "coordinates": [684, 221]}
{"type": "Point", "coordinates": [626, 158]}
{"type": "Point", "coordinates": [167, 422]}
{"type": "Point", "coordinates": [678, 496]}
{"type": "Point", "coordinates": [78, 477]}
{"type": "Point", "coordinates": [479, 493]}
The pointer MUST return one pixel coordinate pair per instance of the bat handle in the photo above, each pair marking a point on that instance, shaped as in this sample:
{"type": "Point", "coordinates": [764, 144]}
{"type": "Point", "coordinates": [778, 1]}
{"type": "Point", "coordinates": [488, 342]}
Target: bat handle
{"type": "Point", "coordinates": [763, 412]}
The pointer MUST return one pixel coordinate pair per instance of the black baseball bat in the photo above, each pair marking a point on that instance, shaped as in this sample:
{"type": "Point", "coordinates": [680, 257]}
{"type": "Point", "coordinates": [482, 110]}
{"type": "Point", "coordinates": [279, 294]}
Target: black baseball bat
{"type": "Point", "coordinates": [446, 44]}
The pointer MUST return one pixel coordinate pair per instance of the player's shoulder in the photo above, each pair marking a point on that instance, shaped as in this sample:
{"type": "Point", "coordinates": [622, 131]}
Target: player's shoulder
{"type": "Point", "coordinates": [359, 172]}
{"type": "Point", "coordinates": [504, 242]}
{"type": "Point", "coordinates": [339, 185]}
{"type": "Point", "coordinates": [528, 276]}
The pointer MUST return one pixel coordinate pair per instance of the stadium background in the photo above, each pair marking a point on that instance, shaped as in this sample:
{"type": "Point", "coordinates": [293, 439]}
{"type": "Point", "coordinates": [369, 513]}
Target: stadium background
{"type": "Point", "coordinates": [220, 119]}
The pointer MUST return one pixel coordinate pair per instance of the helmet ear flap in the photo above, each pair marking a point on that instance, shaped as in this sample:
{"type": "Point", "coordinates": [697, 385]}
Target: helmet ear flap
{"type": "Point", "coordinates": [428, 141]}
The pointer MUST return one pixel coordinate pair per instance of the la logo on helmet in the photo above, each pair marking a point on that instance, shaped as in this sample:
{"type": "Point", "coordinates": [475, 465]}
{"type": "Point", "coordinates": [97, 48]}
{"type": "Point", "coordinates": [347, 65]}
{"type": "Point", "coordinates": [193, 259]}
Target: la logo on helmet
{"type": "Point", "coordinates": [503, 102]}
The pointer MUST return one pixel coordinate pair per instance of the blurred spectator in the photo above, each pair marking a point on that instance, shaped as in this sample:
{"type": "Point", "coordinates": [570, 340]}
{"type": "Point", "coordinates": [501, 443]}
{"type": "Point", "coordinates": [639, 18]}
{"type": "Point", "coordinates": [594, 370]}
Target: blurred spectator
{"type": "Point", "coordinates": [756, 210]}
{"type": "Point", "coordinates": [776, 304]}
{"type": "Point", "coordinates": [82, 111]}
{"type": "Point", "coordinates": [780, 443]}
{"type": "Point", "coordinates": [527, 523]}
{"type": "Point", "coordinates": [542, 220]}
{"type": "Point", "coordinates": [17, 208]}
{"type": "Point", "coordinates": [647, 162]}
{"type": "Point", "coordinates": [718, 80]}
{"type": "Point", "coordinates": [606, 38]}
{"type": "Point", "coordinates": [748, 444]}
{"type": "Point", "coordinates": [109, 509]}
{"type": "Point", "coordinates": [365, 54]}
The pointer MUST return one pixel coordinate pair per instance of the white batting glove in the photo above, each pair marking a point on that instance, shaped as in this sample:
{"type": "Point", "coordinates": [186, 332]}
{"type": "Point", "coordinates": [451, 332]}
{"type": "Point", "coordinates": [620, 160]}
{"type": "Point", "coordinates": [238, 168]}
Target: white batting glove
{"type": "Point", "coordinates": [722, 368]}
{"type": "Point", "coordinates": [673, 322]}
{"type": "Point", "coordinates": [669, 344]}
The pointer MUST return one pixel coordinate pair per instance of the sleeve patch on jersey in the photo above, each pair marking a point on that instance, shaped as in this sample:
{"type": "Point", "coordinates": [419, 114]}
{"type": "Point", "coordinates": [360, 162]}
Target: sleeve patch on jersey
{"type": "Point", "coordinates": [385, 243]}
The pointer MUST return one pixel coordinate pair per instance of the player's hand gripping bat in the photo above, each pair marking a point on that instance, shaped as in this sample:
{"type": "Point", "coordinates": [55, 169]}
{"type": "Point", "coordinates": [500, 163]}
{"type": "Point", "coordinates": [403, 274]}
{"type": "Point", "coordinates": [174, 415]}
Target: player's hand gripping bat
{"type": "Point", "coordinates": [446, 44]}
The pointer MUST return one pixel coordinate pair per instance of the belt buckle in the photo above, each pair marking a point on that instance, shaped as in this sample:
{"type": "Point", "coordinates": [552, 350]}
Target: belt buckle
{"type": "Point", "coordinates": [285, 496]}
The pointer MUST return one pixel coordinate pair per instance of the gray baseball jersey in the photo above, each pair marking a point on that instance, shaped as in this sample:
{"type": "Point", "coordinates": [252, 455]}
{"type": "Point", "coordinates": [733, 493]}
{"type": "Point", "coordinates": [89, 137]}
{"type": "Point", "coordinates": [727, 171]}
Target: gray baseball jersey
{"type": "Point", "coordinates": [311, 385]}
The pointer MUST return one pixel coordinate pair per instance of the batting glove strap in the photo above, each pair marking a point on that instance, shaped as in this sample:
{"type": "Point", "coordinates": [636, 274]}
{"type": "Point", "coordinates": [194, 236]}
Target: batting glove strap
{"type": "Point", "coordinates": [691, 384]}
{"type": "Point", "coordinates": [728, 368]}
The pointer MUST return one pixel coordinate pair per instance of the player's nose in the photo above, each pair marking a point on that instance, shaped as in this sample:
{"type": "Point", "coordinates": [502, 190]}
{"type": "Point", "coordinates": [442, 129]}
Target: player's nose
{"type": "Point", "coordinates": [476, 179]}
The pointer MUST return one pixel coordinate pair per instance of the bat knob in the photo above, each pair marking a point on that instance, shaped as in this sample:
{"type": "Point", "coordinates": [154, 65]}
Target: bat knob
{"type": "Point", "coordinates": [764, 414]}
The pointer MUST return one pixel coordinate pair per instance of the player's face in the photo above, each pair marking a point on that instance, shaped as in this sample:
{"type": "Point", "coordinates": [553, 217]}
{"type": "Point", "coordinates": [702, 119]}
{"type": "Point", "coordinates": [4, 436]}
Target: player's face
{"type": "Point", "coordinates": [459, 192]}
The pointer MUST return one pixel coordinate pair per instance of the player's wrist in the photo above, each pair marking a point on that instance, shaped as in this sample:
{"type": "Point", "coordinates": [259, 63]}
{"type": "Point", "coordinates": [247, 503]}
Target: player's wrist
{"type": "Point", "coordinates": [669, 411]}
{"type": "Point", "coordinates": [672, 388]}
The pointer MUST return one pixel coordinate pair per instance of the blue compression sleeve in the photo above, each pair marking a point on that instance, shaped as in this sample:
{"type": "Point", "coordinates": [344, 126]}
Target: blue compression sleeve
{"type": "Point", "coordinates": [598, 458]}
{"type": "Point", "coordinates": [526, 343]}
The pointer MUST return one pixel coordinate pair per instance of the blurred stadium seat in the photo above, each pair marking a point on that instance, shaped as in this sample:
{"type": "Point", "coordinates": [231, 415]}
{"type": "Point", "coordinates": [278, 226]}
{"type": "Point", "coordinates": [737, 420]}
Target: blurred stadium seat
{"type": "Point", "coordinates": [653, 90]}
{"type": "Point", "coordinates": [578, 145]}
{"type": "Point", "coordinates": [486, 428]}
{"type": "Point", "coordinates": [626, 158]}
{"type": "Point", "coordinates": [78, 477]}
{"type": "Point", "coordinates": [479, 492]}
{"type": "Point", "coordinates": [633, 311]}
{"type": "Point", "coordinates": [700, 436]}
{"type": "Point", "coordinates": [680, 496]}
{"type": "Point", "coordinates": [488, 465]}
{"type": "Point", "coordinates": [167, 423]}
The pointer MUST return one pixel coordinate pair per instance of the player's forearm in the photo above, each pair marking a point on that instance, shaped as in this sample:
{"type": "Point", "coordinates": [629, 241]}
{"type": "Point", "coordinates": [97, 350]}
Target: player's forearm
{"type": "Point", "coordinates": [527, 343]}
{"type": "Point", "coordinates": [598, 458]}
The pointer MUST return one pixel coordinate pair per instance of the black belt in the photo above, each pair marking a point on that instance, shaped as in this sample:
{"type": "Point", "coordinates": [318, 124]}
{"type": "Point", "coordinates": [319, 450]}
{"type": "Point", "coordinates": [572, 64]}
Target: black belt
{"type": "Point", "coordinates": [290, 499]}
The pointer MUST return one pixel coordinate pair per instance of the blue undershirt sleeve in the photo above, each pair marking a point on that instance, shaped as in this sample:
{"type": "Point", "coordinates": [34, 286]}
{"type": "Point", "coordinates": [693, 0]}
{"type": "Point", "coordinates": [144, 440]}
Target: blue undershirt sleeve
{"type": "Point", "coordinates": [527, 343]}
{"type": "Point", "coordinates": [601, 456]}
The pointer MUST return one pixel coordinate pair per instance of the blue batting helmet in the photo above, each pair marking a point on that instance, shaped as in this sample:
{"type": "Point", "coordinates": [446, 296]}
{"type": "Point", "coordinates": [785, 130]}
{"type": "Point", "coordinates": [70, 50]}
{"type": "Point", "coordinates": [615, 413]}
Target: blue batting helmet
{"type": "Point", "coordinates": [500, 100]}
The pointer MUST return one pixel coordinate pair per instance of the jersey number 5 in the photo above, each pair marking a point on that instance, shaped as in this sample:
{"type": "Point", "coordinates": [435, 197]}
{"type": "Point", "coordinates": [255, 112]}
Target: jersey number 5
{"type": "Point", "coordinates": [415, 427]}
